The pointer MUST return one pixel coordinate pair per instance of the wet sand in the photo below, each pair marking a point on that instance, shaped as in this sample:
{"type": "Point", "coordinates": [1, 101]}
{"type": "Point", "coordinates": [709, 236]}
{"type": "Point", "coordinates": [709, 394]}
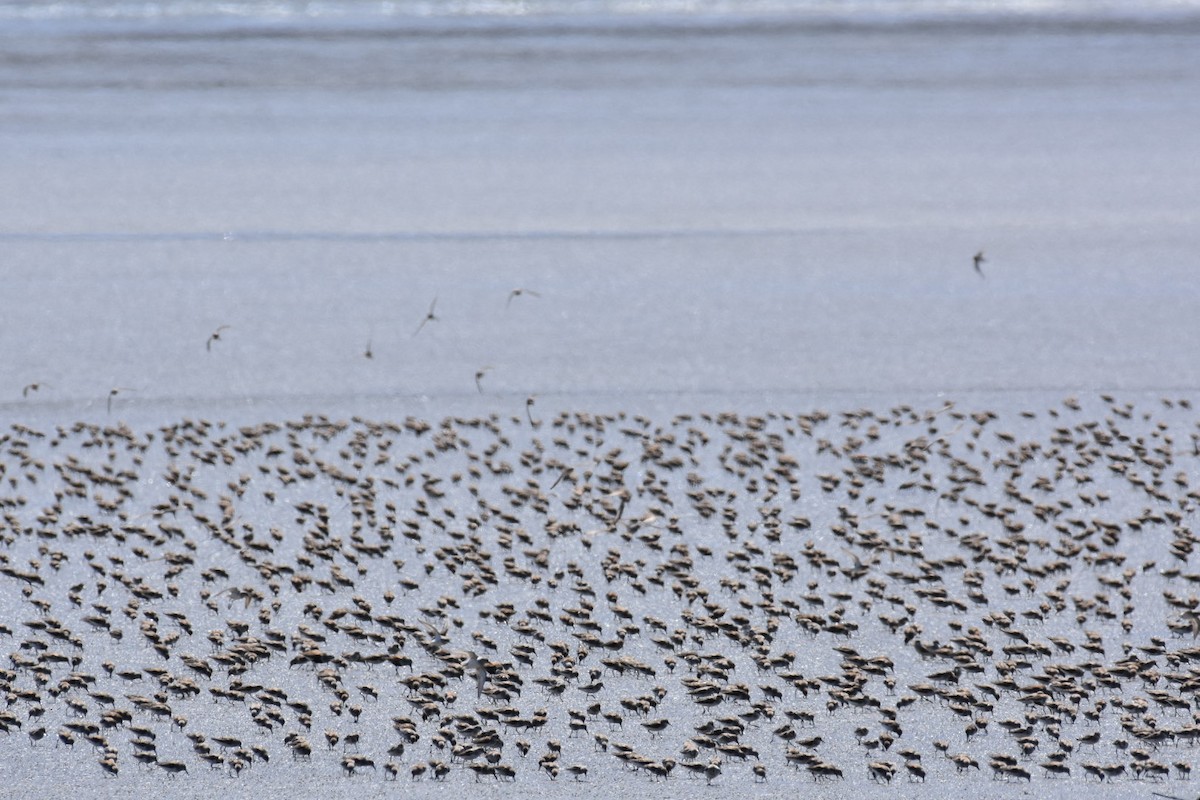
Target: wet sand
{"type": "Point", "coordinates": [703, 208]}
{"type": "Point", "coordinates": [922, 589]}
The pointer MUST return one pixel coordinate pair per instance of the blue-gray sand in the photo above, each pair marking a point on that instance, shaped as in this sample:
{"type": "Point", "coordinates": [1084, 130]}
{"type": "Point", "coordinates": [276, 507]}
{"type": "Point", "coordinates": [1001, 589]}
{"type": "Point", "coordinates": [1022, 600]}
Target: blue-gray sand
{"type": "Point", "coordinates": [541, 399]}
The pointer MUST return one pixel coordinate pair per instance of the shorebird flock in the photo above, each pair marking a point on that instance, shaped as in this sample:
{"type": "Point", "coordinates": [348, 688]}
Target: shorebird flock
{"type": "Point", "coordinates": [724, 600]}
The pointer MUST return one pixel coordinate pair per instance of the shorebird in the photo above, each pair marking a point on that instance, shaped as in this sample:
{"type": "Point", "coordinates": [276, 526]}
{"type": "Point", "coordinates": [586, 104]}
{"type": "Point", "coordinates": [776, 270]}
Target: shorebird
{"type": "Point", "coordinates": [479, 373]}
{"type": "Point", "coordinates": [429, 317]}
{"type": "Point", "coordinates": [501, 547]}
{"type": "Point", "coordinates": [978, 261]}
{"type": "Point", "coordinates": [215, 336]}
{"type": "Point", "coordinates": [351, 763]}
{"type": "Point", "coordinates": [519, 293]}
{"type": "Point", "coordinates": [656, 726]}
{"type": "Point", "coordinates": [113, 393]}
{"type": "Point", "coordinates": [32, 387]}
{"type": "Point", "coordinates": [478, 667]}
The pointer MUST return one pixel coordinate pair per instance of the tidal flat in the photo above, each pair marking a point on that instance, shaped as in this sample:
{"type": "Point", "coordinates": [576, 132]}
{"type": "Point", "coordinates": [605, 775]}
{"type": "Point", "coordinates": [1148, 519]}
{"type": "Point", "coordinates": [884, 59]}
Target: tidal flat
{"type": "Point", "coordinates": [939, 599]}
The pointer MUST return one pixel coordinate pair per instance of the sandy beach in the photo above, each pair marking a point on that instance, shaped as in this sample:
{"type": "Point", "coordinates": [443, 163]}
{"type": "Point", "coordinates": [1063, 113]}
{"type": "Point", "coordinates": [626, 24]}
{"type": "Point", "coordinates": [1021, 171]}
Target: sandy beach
{"type": "Point", "coordinates": [643, 357]}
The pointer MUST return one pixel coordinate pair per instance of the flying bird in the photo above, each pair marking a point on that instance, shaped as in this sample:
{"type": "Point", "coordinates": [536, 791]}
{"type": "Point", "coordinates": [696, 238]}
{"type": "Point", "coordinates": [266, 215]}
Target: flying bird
{"type": "Point", "coordinates": [479, 667]}
{"type": "Point", "coordinates": [33, 387]}
{"type": "Point", "coordinates": [215, 337]}
{"type": "Point", "coordinates": [529, 412]}
{"type": "Point", "coordinates": [113, 393]}
{"type": "Point", "coordinates": [429, 317]}
{"type": "Point", "coordinates": [518, 293]}
{"type": "Point", "coordinates": [479, 378]}
{"type": "Point", "coordinates": [979, 259]}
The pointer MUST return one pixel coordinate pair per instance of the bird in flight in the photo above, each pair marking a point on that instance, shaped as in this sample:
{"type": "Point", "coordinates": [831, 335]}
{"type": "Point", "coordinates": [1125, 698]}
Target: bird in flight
{"type": "Point", "coordinates": [529, 412]}
{"type": "Point", "coordinates": [518, 293]}
{"type": "Point", "coordinates": [429, 317]}
{"type": "Point", "coordinates": [479, 378]}
{"type": "Point", "coordinates": [979, 259]}
{"type": "Point", "coordinates": [113, 393]}
{"type": "Point", "coordinates": [369, 353]}
{"type": "Point", "coordinates": [478, 666]}
{"type": "Point", "coordinates": [215, 337]}
{"type": "Point", "coordinates": [33, 387]}
{"type": "Point", "coordinates": [566, 471]}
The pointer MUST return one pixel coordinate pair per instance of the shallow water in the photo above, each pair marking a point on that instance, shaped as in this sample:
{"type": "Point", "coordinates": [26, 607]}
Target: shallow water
{"type": "Point", "coordinates": [703, 206]}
